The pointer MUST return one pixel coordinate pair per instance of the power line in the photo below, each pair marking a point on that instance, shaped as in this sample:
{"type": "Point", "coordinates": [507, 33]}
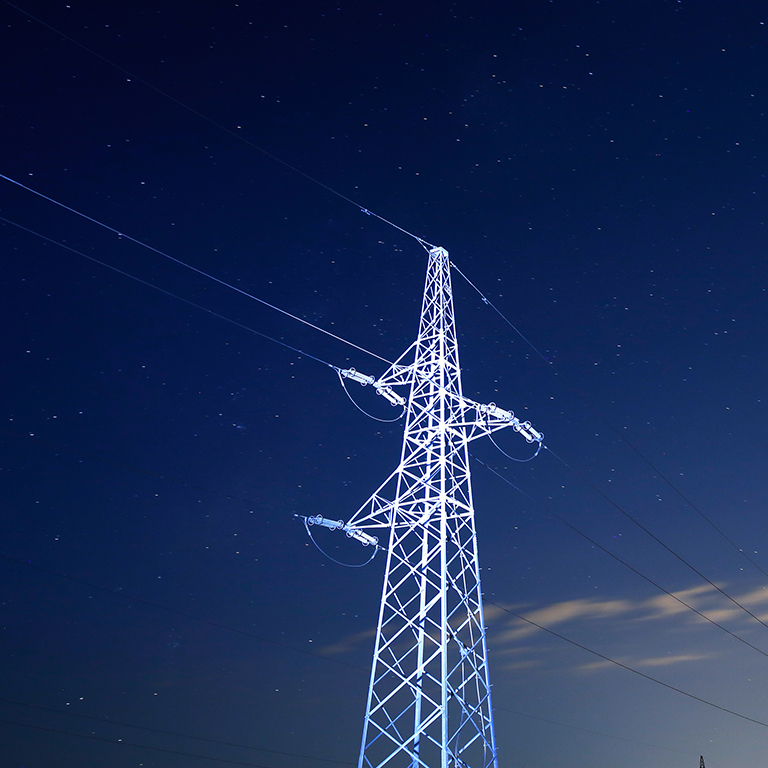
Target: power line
{"type": "Point", "coordinates": [306, 757]}
{"type": "Point", "coordinates": [659, 541]}
{"type": "Point", "coordinates": [589, 730]}
{"type": "Point", "coordinates": [209, 622]}
{"type": "Point", "coordinates": [628, 668]}
{"type": "Point", "coordinates": [624, 563]}
{"type": "Point", "coordinates": [185, 265]}
{"type": "Point", "coordinates": [199, 306]}
{"type": "Point", "coordinates": [168, 293]}
{"type": "Point", "coordinates": [585, 398]}
{"type": "Point", "coordinates": [167, 733]}
{"type": "Point", "coordinates": [229, 131]}
{"type": "Point", "coordinates": [498, 311]}
{"type": "Point", "coordinates": [124, 743]}
{"type": "Point", "coordinates": [686, 499]}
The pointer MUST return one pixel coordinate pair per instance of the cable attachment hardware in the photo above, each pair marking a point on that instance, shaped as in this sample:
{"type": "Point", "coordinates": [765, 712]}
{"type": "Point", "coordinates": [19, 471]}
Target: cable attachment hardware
{"type": "Point", "coordinates": [381, 389]}
{"type": "Point", "coordinates": [527, 431]}
{"type": "Point", "coordinates": [334, 525]}
{"type": "Point", "coordinates": [361, 378]}
{"type": "Point", "coordinates": [523, 427]}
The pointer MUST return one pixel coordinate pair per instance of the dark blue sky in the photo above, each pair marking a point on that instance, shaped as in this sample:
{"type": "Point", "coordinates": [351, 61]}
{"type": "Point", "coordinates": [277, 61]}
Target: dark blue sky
{"type": "Point", "coordinates": [596, 169]}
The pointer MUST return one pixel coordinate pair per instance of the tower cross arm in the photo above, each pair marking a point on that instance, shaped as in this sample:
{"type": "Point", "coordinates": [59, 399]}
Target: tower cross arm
{"type": "Point", "coordinates": [490, 418]}
{"type": "Point", "coordinates": [376, 512]}
{"type": "Point", "coordinates": [381, 385]}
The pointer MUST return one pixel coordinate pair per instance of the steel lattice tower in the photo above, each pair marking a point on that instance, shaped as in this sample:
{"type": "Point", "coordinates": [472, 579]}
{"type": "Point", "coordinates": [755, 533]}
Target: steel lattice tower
{"type": "Point", "coordinates": [429, 698]}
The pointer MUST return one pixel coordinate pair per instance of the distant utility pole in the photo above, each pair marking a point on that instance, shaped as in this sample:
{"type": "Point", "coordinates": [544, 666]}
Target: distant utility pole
{"type": "Point", "coordinates": [429, 698]}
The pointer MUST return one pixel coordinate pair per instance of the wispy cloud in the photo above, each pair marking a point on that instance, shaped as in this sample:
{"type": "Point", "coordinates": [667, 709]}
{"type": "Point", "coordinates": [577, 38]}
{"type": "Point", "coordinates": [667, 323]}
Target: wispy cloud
{"type": "Point", "coordinates": [650, 662]}
{"type": "Point", "coordinates": [704, 598]}
{"type": "Point", "coordinates": [621, 624]}
{"type": "Point", "coordinates": [349, 643]}
{"type": "Point", "coordinates": [555, 615]}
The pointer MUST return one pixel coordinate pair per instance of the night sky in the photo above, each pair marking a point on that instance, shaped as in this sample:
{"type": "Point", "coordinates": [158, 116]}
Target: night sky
{"type": "Point", "coordinates": [596, 169]}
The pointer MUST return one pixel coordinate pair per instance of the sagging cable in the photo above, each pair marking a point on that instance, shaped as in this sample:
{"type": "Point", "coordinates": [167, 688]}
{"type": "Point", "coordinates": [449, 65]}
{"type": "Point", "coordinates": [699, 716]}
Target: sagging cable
{"type": "Point", "coordinates": [381, 389]}
{"type": "Point", "coordinates": [512, 458]}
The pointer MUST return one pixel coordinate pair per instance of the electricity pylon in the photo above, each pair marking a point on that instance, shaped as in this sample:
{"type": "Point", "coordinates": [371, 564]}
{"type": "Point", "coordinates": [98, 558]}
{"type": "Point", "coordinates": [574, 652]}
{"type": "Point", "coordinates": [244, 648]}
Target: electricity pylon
{"type": "Point", "coordinates": [429, 698]}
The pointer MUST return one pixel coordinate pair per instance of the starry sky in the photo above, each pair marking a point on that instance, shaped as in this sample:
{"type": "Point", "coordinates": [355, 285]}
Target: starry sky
{"type": "Point", "coordinates": [596, 169]}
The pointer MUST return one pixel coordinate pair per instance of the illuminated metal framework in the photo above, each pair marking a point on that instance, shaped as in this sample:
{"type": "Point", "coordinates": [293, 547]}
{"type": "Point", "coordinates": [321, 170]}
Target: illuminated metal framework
{"type": "Point", "coordinates": [429, 698]}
